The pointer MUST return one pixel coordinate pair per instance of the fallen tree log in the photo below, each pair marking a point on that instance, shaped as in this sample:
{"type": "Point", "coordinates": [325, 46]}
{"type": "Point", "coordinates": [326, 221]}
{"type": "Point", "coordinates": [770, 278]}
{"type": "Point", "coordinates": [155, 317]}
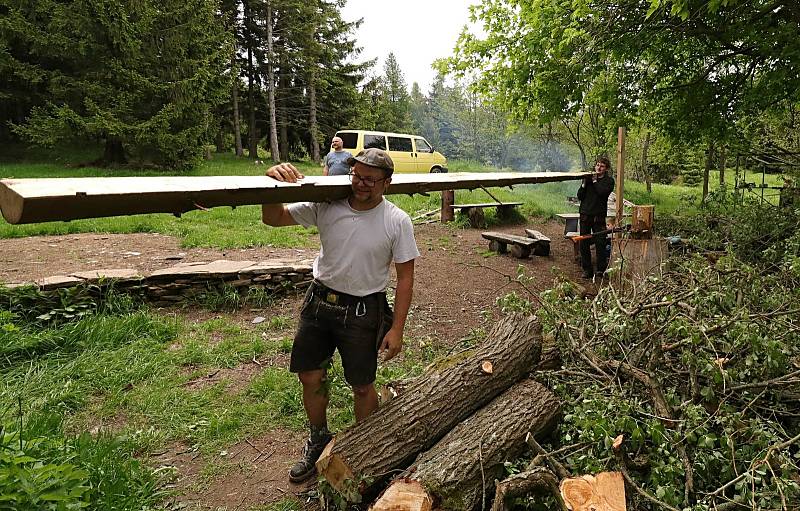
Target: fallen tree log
{"type": "Point", "coordinates": [450, 391]}
{"type": "Point", "coordinates": [536, 480]}
{"type": "Point", "coordinates": [459, 471]}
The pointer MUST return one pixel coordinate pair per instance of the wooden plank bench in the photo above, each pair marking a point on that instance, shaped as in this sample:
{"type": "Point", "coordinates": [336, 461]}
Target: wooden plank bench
{"type": "Point", "coordinates": [475, 211]}
{"type": "Point", "coordinates": [521, 247]}
{"type": "Point", "coordinates": [570, 222]}
{"type": "Point", "coordinates": [542, 247]}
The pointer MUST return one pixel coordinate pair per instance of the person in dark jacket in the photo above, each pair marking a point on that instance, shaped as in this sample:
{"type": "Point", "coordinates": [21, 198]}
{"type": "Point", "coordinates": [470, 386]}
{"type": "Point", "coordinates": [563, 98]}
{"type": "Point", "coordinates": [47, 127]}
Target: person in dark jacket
{"type": "Point", "coordinates": [593, 194]}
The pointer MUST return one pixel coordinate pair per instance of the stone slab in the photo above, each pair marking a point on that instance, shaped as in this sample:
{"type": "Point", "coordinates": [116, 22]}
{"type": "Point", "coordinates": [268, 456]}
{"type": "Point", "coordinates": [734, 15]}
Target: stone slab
{"type": "Point", "coordinates": [113, 273]}
{"type": "Point", "coordinates": [57, 281]}
{"type": "Point", "coordinates": [215, 268]}
{"type": "Point", "coordinates": [273, 267]}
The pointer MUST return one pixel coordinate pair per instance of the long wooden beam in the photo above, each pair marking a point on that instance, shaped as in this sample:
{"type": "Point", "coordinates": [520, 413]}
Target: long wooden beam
{"type": "Point", "coordinates": [25, 201]}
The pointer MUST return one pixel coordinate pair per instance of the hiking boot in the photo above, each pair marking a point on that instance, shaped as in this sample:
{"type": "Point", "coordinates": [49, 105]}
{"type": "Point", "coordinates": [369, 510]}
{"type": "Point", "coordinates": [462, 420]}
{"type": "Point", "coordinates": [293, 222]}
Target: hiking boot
{"type": "Point", "coordinates": [305, 468]}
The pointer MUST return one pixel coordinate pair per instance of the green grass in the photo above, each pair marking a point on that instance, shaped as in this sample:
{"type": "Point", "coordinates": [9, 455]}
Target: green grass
{"type": "Point", "coordinates": [153, 372]}
{"type": "Point", "coordinates": [149, 380]}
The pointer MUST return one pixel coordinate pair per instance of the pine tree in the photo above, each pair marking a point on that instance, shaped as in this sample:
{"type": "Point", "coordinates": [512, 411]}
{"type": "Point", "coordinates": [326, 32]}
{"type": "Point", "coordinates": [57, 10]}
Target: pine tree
{"type": "Point", "coordinates": [143, 77]}
{"type": "Point", "coordinates": [394, 113]}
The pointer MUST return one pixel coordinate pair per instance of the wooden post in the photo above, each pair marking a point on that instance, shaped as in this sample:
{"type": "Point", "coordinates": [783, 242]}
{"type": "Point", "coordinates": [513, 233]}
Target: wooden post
{"type": "Point", "coordinates": [620, 176]}
{"type": "Point", "coordinates": [448, 199]}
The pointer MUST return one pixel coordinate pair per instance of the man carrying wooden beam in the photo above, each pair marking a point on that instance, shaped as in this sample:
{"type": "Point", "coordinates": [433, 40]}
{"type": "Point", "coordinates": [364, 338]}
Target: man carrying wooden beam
{"type": "Point", "coordinates": [346, 308]}
{"type": "Point", "coordinates": [593, 194]}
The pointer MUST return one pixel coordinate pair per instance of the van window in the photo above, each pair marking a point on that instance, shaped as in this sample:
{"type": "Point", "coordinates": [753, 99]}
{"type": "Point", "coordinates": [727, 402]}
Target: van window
{"type": "Point", "coordinates": [349, 140]}
{"type": "Point", "coordinates": [423, 146]}
{"type": "Point", "coordinates": [400, 144]}
{"type": "Point", "coordinates": [378, 141]}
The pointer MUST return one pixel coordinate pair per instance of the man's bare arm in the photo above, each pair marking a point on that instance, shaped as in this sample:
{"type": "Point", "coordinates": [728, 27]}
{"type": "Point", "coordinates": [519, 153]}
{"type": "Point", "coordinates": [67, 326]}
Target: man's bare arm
{"type": "Point", "coordinates": [393, 341]}
{"type": "Point", "coordinates": [277, 215]}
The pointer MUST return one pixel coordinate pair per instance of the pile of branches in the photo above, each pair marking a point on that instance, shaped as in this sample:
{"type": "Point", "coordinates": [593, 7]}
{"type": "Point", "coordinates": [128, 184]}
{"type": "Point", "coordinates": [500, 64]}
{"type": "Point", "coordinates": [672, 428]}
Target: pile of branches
{"type": "Point", "coordinates": [698, 369]}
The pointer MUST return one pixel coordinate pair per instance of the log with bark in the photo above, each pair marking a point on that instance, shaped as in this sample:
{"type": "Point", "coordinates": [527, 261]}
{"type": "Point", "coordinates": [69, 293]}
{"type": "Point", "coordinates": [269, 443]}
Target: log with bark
{"type": "Point", "coordinates": [460, 470]}
{"type": "Point", "coordinates": [450, 391]}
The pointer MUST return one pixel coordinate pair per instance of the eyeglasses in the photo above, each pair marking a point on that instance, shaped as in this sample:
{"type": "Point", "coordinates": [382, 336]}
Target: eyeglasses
{"type": "Point", "coordinates": [369, 181]}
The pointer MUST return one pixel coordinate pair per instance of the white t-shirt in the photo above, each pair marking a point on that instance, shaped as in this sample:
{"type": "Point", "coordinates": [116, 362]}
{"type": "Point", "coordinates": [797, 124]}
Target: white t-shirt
{"type": "Point", "coordinates": [357, 246]}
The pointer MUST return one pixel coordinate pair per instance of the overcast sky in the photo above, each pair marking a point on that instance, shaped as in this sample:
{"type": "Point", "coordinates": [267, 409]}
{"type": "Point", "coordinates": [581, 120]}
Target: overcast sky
{"type": "Point", "coordinates": [417, 31]}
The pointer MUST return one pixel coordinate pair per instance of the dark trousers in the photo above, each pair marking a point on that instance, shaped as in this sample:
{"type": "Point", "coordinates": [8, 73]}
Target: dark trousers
{"type": "Point", "coordinates": [592, 224]}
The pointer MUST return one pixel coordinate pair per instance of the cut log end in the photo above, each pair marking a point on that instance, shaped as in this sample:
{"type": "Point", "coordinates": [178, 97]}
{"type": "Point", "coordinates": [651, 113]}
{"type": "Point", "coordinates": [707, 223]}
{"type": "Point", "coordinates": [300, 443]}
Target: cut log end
{"type": "Point", "coordinates": [486, 367]}
{"type": "Point", "coordinates": [604, 492]}
{"type": "Point", "coordinates": [335, 470]}
{"type": "Point", "coordinates": [404, 495]}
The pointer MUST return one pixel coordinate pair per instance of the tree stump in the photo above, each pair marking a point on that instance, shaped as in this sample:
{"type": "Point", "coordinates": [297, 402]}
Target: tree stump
{"type": "Point", "coordinates": [461, 468]}
{"type": "Point", "coordinates": [476, 217]}
{"type": "Point", "coordinates": [449, 392]}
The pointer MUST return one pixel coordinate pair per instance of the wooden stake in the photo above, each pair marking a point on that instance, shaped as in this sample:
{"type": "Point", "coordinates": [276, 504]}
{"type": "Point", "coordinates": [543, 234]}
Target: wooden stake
{"type": "Point", "coordinates": [448, 199]}
{"type": "Point", "coordinates": [620, 177]}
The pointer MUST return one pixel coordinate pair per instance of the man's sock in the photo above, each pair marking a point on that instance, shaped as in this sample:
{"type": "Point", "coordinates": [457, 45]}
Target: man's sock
{"type": "Point", "coordinates": [320, 433]}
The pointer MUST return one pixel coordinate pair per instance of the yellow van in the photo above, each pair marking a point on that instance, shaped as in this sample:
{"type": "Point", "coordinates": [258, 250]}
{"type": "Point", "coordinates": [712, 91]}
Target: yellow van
{"type": "Point", "coordinates": [410, 153]}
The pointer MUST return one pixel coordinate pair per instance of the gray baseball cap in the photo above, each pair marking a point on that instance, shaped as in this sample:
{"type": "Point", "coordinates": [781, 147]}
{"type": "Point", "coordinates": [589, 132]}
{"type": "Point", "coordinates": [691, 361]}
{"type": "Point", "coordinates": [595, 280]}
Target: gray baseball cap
{"type": "Point", "coordinates": [373, 157]}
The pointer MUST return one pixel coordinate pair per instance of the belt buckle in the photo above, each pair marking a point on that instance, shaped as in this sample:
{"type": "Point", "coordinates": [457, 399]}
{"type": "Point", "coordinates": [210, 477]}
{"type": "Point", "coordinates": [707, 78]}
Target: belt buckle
{"type": "Point", "coordinates": [332, 298]}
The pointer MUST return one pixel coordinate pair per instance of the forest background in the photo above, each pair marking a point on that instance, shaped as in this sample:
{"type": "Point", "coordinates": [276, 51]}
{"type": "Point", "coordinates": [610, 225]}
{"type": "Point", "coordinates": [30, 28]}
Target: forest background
{"type": "Point", "coordinates": [164, 84]}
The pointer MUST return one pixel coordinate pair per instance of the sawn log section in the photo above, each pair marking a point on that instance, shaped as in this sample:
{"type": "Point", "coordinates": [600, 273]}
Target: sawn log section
{"type": "Point", "coordinates": [26, 201]}
{"type": "Point", "coordinates": [452, 390]}
{"type": "Point", "coordinates": [462, 467]}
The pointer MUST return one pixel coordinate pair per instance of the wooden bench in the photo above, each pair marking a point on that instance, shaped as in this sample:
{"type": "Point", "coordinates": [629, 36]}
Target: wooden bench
{"type": "Point", "coordinates": [521, 247]}
{"type": "Point", "coordinates": [570, 222]}
{"type": "Point", "coordinates": [542, 247]}
{"type": "Point", "coordinates": [475, 211]}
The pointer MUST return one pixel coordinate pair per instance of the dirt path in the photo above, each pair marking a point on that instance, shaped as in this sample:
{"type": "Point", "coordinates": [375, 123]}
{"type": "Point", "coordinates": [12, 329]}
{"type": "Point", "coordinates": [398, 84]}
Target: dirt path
{"type": "Point", "coordinates": [456, 284]}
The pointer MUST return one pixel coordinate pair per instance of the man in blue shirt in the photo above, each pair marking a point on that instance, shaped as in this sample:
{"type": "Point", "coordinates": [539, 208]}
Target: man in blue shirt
{"type": "Point", "coordinates": [336, 161]}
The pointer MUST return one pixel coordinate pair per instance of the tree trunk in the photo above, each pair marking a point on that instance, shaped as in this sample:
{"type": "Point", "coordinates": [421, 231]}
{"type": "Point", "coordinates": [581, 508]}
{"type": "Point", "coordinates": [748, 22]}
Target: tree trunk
{"type": "Point", "coordinates": [252, 137]}
{"type": "Point", "coordinates": [723, 161]}
{"type": "Point", "coordinates": [114, 153]}
{"type": "Point", "coordinates": [219, 141]}
{"type": "Point", "coordinates": [461, 468]}
{"type": "Point", "coordinates": [273, 125]}
{"type": "Point", "coordinates": [645, 163]}
{"type": "Point", "coordinates": [707, 170]}
{"type": "Point", "coordinates": [536, 480]}
{"type": "Point", "coordinates": [283, 84]}
{"type": "Point", "coordinates": [312, 117]}
{"type": "Point", "coordinates": [448, 393]}
{"type": "Point", "coordinates": [237, 127]}
{"type": "Point", "coordinates": [576, 137]}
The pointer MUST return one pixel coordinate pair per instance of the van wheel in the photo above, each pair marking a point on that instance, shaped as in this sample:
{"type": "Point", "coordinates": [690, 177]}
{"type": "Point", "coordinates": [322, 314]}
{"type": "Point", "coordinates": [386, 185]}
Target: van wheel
{"type": "Point", "coordinates": [436, 170]}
